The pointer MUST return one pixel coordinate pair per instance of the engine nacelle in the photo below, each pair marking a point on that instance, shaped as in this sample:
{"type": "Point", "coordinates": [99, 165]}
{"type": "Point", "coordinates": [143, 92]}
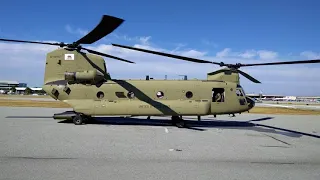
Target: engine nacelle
{"type": "Point", "coordinates": [91, 76]}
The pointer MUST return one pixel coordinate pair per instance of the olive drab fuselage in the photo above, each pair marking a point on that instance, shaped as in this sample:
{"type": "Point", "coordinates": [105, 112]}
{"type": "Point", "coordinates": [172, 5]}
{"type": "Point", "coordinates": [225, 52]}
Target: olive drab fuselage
{"type": "Point", "coordinates": [75, 78]}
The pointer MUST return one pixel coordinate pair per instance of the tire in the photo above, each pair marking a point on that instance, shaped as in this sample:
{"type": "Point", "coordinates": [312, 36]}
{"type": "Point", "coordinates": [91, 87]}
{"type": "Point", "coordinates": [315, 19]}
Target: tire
{"type": "Point", "coordinates": [180, 124]}
{"type": "Point", "coordinates": [177, 121]}
{"type": "Point", "coordinates": [78, 120]}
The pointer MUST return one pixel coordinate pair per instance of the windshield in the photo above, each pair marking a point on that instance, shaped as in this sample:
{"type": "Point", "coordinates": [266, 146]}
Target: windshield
{"type": "Point", "coordinates": [239, 92]}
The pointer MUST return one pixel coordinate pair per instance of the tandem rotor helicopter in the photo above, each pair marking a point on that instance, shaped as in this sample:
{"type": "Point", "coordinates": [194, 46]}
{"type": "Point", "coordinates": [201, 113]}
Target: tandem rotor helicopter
{"type": "Point", "coordinates": [81, 80]}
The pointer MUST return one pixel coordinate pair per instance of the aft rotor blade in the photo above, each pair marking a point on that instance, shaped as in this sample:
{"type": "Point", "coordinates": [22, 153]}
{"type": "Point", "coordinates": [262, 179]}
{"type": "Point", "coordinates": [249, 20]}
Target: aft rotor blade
{"type": "Point", "coordinates": [248, 76]}
{"type": "Point", "coordinates": [107, 25]}
{"type": "Point", "coordinates": [284, 62]}
{"type": "Point", "coordinates": [34, 42]}
{"type": "Point", "coordinates": [167, 55]}
{"type": "Point", "coordinates": [106, 55]}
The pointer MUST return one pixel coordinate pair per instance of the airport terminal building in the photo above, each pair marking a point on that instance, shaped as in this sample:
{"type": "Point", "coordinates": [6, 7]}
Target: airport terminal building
{"type": "Point", "coordinates": [6, 86]}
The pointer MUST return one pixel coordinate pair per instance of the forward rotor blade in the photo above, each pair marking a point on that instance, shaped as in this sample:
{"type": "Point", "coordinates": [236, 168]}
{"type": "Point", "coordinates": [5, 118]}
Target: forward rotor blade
{"type": "Point", "coordinates": [221, 70]}
{"type": "Point", "coordinates": [229, 71]}
{"type": "Point", "coordinates": [106, 55]}
{"type": "Point", "coordinates": [105, 27]}
{"type": "Point", "coordinates": [34, 42]}
{"type": "Point", "coordinates": [248, 76]}
{"type": "Point", "coordinates": [167, 55]}
{"type": "Point", "coordinates": [284, 62]}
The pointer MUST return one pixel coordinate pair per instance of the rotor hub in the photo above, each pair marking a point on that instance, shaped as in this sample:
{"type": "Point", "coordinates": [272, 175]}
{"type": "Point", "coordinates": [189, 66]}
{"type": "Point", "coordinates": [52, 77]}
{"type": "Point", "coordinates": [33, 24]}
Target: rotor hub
{"type": "Point", "coordinates": [231, 66]}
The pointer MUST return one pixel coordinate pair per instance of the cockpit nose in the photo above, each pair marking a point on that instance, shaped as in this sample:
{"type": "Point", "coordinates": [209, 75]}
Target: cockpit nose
{"type": "Point", "coordinates": [251, 102]}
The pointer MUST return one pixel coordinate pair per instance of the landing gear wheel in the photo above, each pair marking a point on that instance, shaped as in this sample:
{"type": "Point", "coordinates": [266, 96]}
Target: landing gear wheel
{"type": "Point", "coordinates": [180, 124]}
{"type": "Point", "coordinates": [78, 119]}
{"type": "Point", "coordinates": [177, 121]}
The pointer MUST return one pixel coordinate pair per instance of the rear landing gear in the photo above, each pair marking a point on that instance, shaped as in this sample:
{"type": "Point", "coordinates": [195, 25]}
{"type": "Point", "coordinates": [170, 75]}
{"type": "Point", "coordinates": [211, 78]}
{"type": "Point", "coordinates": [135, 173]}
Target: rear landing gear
{"type": "Point", "coordinates": [80, 119]}
{"type": "Point", "coordinates": [178, 121]}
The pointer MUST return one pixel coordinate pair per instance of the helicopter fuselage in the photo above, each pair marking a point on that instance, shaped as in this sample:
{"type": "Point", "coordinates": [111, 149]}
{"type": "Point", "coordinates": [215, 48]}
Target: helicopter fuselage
{"type": "Point", "coordinates": [153, 97]}
{"type": "Point", "coordinates": [77, 81]}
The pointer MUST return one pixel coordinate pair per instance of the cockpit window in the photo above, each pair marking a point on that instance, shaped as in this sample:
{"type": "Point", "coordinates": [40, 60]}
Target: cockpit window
{"type": "Point", "coordinates": [239, 92]}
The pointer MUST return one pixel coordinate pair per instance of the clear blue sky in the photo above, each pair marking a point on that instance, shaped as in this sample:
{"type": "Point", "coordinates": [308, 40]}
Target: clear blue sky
{"type": "Point", "coordinates": [287, 27]}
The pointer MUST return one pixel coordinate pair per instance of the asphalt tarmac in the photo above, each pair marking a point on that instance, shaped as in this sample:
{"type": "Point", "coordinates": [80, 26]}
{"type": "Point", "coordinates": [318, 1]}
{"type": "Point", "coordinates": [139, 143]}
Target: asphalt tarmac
{"type": "Point", "coordinates": [248, 146]}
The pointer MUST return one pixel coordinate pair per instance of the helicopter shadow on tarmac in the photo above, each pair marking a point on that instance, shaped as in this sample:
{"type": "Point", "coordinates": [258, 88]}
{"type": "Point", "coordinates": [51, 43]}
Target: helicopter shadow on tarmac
{"type": "Point", "coordinates": [201, 125]}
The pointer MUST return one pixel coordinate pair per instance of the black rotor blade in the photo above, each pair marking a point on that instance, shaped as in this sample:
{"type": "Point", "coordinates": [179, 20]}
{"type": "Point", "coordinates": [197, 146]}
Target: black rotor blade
{"type": "Point", "coordinates": [248, 76]}
{"type": "Point", "coordinates": [229, 71]}
{"type": "Point", "coordinates": [284, 62]}
{"type": "Point", "coordinates": [221, 70]}
{"type": "Point", "coordinates": [106, 55]}
{"type": "Point", "coordinates": [167, 55]}
{"type": "Point", "coordinates": [105, 27]}
{"type": "Point", "coordinates": [34, 42]}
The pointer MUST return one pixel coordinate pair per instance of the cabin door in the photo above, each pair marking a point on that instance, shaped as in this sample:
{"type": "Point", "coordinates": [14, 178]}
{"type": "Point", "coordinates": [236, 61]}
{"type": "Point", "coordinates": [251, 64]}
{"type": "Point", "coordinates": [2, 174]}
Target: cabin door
{"type": "Point", "coordinates": [218, 103]}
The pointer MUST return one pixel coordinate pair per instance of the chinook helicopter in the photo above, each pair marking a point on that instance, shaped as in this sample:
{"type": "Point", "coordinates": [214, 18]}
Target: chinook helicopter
{"type": "Point", "coordinates": [82, 80]}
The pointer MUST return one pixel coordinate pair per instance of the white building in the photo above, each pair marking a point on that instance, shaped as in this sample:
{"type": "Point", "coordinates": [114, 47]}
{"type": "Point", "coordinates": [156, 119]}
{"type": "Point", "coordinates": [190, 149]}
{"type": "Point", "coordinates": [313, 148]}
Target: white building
{"type": "Point", "coordinates": [34, 90]}
{"type": "Point", "coordinates": [7, 85]}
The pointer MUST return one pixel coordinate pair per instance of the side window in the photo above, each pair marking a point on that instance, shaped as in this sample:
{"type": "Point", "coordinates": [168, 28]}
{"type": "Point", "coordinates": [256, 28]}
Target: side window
{"type": "Point", "coordinates": [120, 95]}
{"type": "Point", "coordinates": [160, 94]}
{"type": "Point", "coordinates": [189, 94]}
{"type": "Point", "coordinates": [218, 95]}
{"type": "Point", "coordinates": [100, 95]}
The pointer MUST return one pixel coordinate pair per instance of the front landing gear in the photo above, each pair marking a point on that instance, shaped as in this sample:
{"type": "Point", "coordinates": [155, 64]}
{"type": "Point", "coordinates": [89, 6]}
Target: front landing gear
{"type": "Point", "coordinates": [178, 121]}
